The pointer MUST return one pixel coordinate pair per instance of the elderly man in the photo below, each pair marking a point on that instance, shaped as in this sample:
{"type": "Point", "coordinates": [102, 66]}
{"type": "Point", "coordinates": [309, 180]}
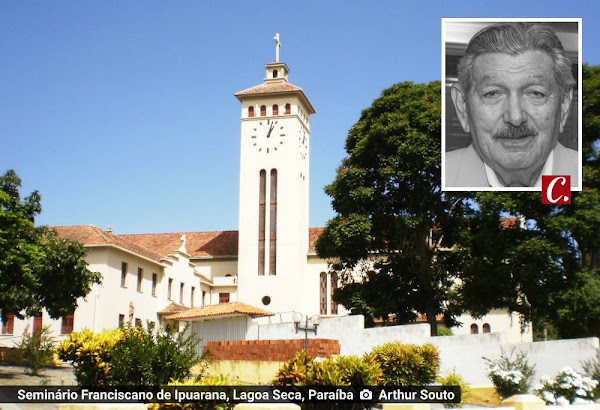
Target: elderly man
{"type": "Point", "coordinates": [513, 96]}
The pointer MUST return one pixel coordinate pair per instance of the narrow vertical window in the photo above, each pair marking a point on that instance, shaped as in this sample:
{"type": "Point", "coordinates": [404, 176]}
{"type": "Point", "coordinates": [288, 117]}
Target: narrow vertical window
{"type": "Point", "coordinates": [192, 296]}
{"type": "Point", "coordinates": [262, 193]}
{"type": "Point", "coordinates": [275, 73]}
{"type": "Point", "coordinates": [334, 285]}
{"type": "Point", "coordinates": [323, 293]}
{"type": "Point", "coordinates": [486, 328]}
{"type": "Point", "coordinates": [154, 280]}
{"type": "Point", "coordinates": [123, 274]}
{"type": "Point", "coordinates": [263, 110]}
{"type": "Point", "coordinates": [8, 325]}
{"type": "Point", "coordinates": [181, 293]}
{"type": "Point", "coordinates": [288, 108]}
{"type": "Point", "coordinates": [273, 225]}
{"type": "Point", "coordinates": [203, 297]}
{"type": "Point", "coordinates": [250, 111]}
{"type": "Point", "coordinates": [140, 277]}
{"type": "Point", "coordinates": [169, 288]}
{"type": "Point", "coordinates": [66, 327]}
{"type": "Point", "coordinates": [121, 320]}
{"type": "Point", "coordinates": [37, 324]}
{"type": "Point", "coordinates": [275, 109]}
{"type": "Point", "coordinates": [138, 322]}
{"type": "Point", "coordinates": [474, 329]}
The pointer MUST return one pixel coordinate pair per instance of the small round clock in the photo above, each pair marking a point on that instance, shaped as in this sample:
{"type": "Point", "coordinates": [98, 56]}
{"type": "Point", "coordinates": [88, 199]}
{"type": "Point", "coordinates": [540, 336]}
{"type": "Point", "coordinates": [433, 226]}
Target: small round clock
{"type": "Point", "coordinates": [267, 135]}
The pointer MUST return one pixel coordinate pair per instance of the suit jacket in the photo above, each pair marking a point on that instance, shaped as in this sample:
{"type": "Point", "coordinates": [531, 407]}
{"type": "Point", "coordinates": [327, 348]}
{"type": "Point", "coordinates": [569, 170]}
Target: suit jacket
{"type": "Point", "coordinates": [464, 168]}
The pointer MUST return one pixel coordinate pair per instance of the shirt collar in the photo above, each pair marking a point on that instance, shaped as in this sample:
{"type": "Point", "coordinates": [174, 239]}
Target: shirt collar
{"type": "Point", "coordinates": [495, 182]}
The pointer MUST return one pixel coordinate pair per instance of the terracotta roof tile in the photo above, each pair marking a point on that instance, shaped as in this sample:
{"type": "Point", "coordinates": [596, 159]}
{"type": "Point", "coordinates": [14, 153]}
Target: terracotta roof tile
{"type": "Point", "coordinates": [91, 235]}
{"type": "Point", "coordinates": [281, 86]}
{"type": "Point", "coordinates": [198, 244]}
{"type": "Point", "coordinates": [313, 235]}
{"type": "Point", "coordinates": [220, 310]}
{"type": "Point", "coordinates": [172, 308]}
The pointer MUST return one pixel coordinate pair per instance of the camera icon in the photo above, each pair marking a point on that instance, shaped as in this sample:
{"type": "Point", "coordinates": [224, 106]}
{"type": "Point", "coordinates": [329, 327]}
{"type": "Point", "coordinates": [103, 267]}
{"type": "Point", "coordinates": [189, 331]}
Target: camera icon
{"type": "Point", "coordinates": [366, 394]}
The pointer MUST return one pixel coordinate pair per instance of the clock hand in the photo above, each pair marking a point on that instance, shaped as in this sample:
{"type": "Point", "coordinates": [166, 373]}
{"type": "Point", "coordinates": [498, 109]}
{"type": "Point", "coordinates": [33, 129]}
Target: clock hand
{"type": "Point", "coordinates": [270, 130]}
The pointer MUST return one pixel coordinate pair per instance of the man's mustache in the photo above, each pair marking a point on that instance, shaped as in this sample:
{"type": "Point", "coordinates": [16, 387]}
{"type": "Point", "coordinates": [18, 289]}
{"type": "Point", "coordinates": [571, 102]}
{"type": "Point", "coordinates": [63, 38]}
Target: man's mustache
{"type": "Point", "coordinates": [512, 132]}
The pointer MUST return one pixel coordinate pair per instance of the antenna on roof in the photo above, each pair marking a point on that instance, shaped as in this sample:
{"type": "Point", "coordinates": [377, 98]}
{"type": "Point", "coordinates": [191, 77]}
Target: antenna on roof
{"type": "Point", "coordinates": [277, 46]}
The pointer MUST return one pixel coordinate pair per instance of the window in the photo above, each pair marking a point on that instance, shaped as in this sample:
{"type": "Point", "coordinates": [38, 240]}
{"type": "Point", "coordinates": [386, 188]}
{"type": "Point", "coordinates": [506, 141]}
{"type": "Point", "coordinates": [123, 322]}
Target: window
{"type": "Point", "coordinates": [121, 320]}
{"type": "Point", "coordinates": [203, 297]}
{"type": "Point", "coordinates": [288, 108]}
{"type": "Point", "coordinates": [275, 73]}
{"type": "Point", "coordinates": [263, 110]}
{"type": "Point", "coordinates": [323, 293]}
{"type": "Point", "coordinates": [250, 111]}
{"type": "Point", "coordinates": [262, 193]}
{"type": "Point", "coordinates": [123, 274]}
{"type": "Point", "coordinates": [192, 296]}
{"type": "Point", "coordinates": [275, 109]}
{"type": "Point", "coordinates": [8, 325]}
{"type": "Point", "coordinates": [273, 225]}
{"type": "Point", "coordinates": [139, 279]}
{"type": "Point", "coordinates": [66, 327]}
{"type": "Point", "coordinates": [223, 297]}
{"type": "Point", "coordinates": [486, 328]}
{"type": "Point", "coordinates": [37, 324]}
{"type": "Point", "coordinates": [154, 280]}
{"type": "Point", "coordinates": [474, 329]}
{"type": "Point", "coordinates": [181, 293]}
{"type": "Point", "coordinates": [334, 285]}
{"type": "Point", "coordinates": [138, 322]}
{"type": "Point", "coordinates": [169, 289]}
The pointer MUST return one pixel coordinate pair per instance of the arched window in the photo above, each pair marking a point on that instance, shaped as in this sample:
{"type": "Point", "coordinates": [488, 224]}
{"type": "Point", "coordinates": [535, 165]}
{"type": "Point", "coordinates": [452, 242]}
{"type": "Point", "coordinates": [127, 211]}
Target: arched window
{"type": "Point", "coordinates": [487, 328]}
{"type": "Point", "coordinates": [275, 73]}
{"type": "Point", "coordinates": [275, 109]}
{"type": "Point", "coordinates": [334, 285]}
{"type": "Point", "coordinates": [250, 111]}
{"type": "Point", "coordinates": [262, 193]}
{"type": "Point", "coordinates": [288, 108]}
{"type": "Point", "coordinates": [323, 293]}
{"type": "Point", "coordinates": [273, 225]}
{"type": "Point", "coordinates": [474, 329]}
{"type": "Point", "coordinates": [263, 110]}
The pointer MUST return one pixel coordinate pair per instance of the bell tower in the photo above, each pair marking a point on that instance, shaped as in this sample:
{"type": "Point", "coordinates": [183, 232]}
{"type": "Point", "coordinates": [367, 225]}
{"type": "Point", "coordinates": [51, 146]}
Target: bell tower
{"type": "Point", "coordinates": [274, 177]}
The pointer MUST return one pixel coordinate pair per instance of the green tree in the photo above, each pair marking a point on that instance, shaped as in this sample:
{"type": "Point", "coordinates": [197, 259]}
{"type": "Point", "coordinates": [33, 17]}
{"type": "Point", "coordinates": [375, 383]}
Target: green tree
{"type": "Point", "coordinates": [37, 269]}
{"type": "Point", "coordinates": [547, 272]}
{"type": "Point", "coordinates": [392, 216]}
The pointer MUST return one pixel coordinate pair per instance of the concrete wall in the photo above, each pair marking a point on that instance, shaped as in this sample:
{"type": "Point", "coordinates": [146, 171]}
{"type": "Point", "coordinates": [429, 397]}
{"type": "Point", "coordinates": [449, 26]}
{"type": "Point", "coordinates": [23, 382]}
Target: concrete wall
{"type": "Point", "coordinates": [463, 354]}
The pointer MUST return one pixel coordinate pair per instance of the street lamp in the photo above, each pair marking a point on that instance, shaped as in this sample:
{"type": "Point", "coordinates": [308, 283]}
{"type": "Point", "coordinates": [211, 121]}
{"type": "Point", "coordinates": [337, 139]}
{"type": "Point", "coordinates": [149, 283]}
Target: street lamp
{"type": "Point", "coordinates": [316, 320]}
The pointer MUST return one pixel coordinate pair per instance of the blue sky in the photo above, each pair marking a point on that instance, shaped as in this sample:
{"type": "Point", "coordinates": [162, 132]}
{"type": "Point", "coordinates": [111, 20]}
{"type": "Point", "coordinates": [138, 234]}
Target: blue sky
{"type": "Point", "coordinates": [122, 113]}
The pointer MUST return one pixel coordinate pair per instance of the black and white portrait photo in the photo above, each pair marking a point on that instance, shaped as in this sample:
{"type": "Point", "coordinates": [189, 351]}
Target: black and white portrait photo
{"type": "Point", "coordinates": [511, 106]}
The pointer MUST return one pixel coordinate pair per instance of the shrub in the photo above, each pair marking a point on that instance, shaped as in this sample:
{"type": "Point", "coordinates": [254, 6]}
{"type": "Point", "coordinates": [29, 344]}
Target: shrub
{"type": "Point", "coordinates": [567, 387]}
{"type": "Point", "coordinates": [91, 355]}
{"type": "Point", "coordinates": [592, 369]}
{"type": "Point", "coordinates": [145, 358]}
{"type": "Point", "coordinates": [303, 370]}
{"type": "Point", "coordinates": [130, 356]}
{"type": "Point", "coordinates": [510, 376]}
{"type": "Point", "coordinates": [444, 331]}
{"type": "Point", "coordinates": [37, 350]}
{"type": "Point", "coordinates": [454, 379]}
{"type": "Point", "coordinates": [406, 364]}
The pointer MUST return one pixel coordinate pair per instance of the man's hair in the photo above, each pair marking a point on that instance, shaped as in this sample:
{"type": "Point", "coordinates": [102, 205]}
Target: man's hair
{"type": "Point", "coordinates": [514, 39]}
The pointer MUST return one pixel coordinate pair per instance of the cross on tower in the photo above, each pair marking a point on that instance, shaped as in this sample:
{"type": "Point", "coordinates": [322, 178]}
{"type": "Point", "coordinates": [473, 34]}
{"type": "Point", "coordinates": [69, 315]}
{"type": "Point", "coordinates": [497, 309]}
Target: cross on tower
{"type": "Point", "coordinates": [277, 46]}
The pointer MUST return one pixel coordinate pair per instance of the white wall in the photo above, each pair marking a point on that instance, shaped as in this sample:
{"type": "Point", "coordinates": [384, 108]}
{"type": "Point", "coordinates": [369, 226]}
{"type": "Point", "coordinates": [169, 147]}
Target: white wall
{"type": "Point", "coordinates": [463, 354]}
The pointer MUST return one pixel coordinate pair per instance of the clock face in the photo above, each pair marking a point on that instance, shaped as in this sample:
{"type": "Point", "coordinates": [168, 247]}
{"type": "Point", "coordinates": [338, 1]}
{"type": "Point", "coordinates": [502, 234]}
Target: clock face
{"type": "Point", "coordinates": [267, 136]}
{"type": "Point", "coordinates": [303, 144]}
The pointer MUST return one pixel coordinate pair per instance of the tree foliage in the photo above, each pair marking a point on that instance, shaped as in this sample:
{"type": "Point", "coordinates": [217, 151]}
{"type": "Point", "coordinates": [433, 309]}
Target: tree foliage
{"type": "Point", "coordinates": [390, 206]}
{"type": "Point", "coordinates": [401, 242]}
{"type": "Point", "coordinates": [37, 268]}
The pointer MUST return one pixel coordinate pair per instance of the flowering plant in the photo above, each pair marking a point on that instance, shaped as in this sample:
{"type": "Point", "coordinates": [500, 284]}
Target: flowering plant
{"type": "Point", "coordinates": [567, 387]}
{"type": "Point", "coordinates": [510, 376]}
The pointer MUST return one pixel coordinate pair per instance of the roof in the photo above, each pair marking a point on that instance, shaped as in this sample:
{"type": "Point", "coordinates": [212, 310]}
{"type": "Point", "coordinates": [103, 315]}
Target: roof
{"type": "Point", "coordinates": [90, 235]}
{"type": "Point", "coordinates": [223, 309]}
{"type": "Point", "coordinates": [172, 308]}
{"type": "Point", "coordinates": [313, 235]}
{"type": "Point", "coordinates": [276, 87]}
{"type": "Point", "coordinates": [198, 244]}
